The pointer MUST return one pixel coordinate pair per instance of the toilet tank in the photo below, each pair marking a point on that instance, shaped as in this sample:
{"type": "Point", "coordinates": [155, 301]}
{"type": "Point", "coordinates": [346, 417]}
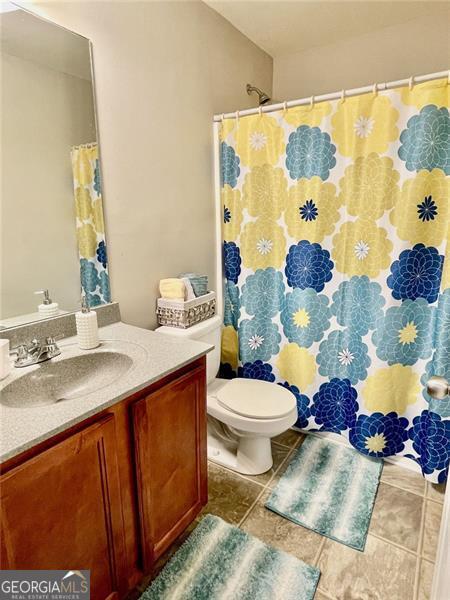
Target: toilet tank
{"type": "Point", "coordinates": [208, 331]}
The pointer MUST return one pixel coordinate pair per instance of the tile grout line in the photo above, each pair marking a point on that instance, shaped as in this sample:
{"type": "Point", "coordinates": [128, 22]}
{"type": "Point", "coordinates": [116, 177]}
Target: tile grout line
{"type": "Point", "coordinates": [398, 546]}
{"type": "Point", "coordinates": [326, 594]}
{"type": "Point", "coordinates": [315, 562]}
{"type": "Point", "coordinates": [399, 487]}
{"type": "Point", "coordinates": [420, 548]}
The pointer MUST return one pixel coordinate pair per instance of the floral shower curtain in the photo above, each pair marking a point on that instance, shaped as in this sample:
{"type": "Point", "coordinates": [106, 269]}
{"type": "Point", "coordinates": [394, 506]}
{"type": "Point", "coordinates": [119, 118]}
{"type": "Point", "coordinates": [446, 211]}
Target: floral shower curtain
{"type": "Point", "coordinates": [336, 230]}
{"type": "Point", "coordinates": [90, 227]}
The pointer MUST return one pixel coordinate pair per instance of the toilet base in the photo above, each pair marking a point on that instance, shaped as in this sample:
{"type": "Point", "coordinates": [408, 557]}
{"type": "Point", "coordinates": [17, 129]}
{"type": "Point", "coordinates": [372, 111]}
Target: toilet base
{"type": "Point", "coordinates": [248, 455]}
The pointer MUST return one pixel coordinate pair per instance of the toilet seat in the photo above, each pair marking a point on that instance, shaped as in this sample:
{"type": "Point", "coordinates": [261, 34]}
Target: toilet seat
{"type": "Point", "coordinates": [256, 399]}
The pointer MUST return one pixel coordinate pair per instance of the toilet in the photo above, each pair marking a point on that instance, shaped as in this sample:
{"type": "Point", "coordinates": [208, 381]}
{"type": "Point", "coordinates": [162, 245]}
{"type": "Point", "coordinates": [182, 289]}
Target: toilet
{"type": "Point", "coordinates": [243, 414]}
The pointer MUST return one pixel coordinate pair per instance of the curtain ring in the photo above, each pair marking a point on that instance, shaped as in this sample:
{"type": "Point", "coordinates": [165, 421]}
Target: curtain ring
{"type": "Point", "coordinates": [448, 80]}
{"type": "Point", "coordinates": [260, 111]}
{"type": "Point", "coordinates": [343, 96]}
{"type": "Point", "coordinates": [375, 89]}
{"type": "Point", "coordinates": [311, 102]}
{"type": "Point", "coordinates": [237, 115]}
{"type": "Point", "coordinates": [411, 82]}
{"type": "Point", "coordinates": [285, 103]}
{"type": "Point", "coordinates": [223, 117]}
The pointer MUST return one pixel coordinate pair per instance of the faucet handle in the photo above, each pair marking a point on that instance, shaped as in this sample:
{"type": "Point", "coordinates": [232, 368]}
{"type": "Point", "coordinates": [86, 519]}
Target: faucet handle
{"type": "Point", "coordinates": [52, 339]}
{"type": "Point", "coordinates": [20, 351]}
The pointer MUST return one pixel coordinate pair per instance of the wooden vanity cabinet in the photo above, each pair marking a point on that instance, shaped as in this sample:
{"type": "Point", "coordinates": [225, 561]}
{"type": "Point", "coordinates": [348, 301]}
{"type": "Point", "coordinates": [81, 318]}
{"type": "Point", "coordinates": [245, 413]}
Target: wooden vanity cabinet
{"type": "Point", "coordinates": [112, 493]}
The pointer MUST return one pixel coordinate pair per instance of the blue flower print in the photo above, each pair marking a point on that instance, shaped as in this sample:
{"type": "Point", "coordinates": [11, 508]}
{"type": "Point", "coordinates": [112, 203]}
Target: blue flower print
{"type": "Point", "coordinates": [263, 293]}
{"type": "Point", "coordinates": [424, 142]}
{"type": "Point", "coordinates": [93, 300]}
{"type": "Point", "coordinates": [97, 180]}
{"type": "Point", "coordinates": [89, 275]}
{"type": "Point", "coordinates": [335, 406]}
{"type": "Point", "coordinates": [305, 316]}
{"type": "Point", "coordinates": [226, 214]}
{"type": "Point", "coordinates": [442, 326]}
{"type": "Point", "coordinates": [232, 305]}
{"type": "Point", "coordinates": [232, 259]}
{"type": "Point", "coordinates": [102, 256]}
{"type": "Point", "coordinates": [229, 165]}
{"type": "Point", "coordinates": [427, 209]}
{"type": "Point", "coordinates": [309, 152]}
{"type": "Point", "coordinates": [405, 333]}
{"type": "Point", "coordinates": [104, 286]}
{"type": "Point", "coordinates": [259, 339]}
{"type": "Point", "coordinates": [226, 371]}
{"type": "Point", "coordinates": [358, 304]}
{"type": "Point", "coordinates": [431, 440]}
{"type": "Point", "coordinates": [308, 266]}
{"type": "Point", "coordinates": [343, 355]}
{"type": "Point", "coordinates": [309, 211]}
{"type": "Point", "coordinates": [416, 274]}
{"type": "Point", "coordinates": [379, 435]}
{"type": "Point", "coordinates": [257, 370]}
{"type": "Point", "coordinates": [303, 410]}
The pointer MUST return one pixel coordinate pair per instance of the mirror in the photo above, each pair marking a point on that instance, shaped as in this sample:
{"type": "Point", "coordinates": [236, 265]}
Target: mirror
{"type": "Point", "coordinates": [52, 227]}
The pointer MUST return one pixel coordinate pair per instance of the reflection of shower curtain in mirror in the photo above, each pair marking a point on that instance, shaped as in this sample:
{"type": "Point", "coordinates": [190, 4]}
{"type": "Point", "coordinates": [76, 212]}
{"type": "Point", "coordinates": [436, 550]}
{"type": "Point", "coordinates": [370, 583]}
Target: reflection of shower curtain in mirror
{"type": "Point", "coordinates": [90, 226]}
{"type": "Point", "coordinates": [336, 227]}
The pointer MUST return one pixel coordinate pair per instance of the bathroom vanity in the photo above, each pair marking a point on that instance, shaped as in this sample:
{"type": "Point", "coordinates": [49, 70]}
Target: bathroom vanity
{"type": "Point", "coordinates": [107, 480]}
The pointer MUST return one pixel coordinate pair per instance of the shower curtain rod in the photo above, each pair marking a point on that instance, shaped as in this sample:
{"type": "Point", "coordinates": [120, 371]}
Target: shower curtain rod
{"type": "Point", "coordinates": [334, 96]}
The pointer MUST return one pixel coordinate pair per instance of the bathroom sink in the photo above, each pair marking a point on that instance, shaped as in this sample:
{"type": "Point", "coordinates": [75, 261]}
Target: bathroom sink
{"type": "Point", "coordinates": [65, 379]}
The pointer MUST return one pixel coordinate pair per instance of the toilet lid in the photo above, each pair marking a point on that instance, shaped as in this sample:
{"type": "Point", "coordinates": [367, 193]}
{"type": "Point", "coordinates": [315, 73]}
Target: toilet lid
{"type": "Point", "coordinates": [256, 399]}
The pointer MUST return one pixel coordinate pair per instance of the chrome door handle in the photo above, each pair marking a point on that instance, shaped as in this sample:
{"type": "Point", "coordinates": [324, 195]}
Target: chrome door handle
{"type": "Point", "coordinates": [438, 387]}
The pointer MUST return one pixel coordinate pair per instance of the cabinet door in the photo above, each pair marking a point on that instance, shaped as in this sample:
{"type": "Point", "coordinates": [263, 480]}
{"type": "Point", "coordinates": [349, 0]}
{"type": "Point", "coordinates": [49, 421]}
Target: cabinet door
{"type": "Point", "coordinates": [61, 510]}
{"type": "Point", "coordinates": [170, 447]}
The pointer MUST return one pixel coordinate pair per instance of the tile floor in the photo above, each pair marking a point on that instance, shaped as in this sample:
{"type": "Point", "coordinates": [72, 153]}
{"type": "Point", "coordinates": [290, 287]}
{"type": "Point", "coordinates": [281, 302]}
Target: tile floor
{"type": "Point", "coordinates": [397, 563]}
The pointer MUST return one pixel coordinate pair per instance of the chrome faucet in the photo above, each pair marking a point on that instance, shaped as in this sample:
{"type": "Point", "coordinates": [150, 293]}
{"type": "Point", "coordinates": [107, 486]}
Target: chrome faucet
{"type": "Point", "coordinates": [35, 352]}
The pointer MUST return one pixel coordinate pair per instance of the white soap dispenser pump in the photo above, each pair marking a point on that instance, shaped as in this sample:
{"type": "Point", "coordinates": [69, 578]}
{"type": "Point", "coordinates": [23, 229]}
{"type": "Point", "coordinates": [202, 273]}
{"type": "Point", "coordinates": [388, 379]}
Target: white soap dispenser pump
{"type": "Point", "coordinates": [87, 326]}
{"type": "Point", "coordinates": [48, 308]}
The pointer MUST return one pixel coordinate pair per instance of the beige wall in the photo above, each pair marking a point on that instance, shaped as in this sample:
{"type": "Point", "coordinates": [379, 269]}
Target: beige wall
{"type": "Point", "coordinates": [416, 47]}
{"type": "Point", "coordinates": [162, 70]}
{"type": "Point", "coordinates": [44, 113]}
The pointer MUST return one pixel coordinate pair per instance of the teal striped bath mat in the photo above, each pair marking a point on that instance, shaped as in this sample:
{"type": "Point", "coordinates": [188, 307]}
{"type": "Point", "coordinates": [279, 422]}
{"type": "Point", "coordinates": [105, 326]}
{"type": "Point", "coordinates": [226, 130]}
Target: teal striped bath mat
{"type": "Point", "coordinates": [221, 562]}
{"type": "Point", "coordinates": [330, 489]}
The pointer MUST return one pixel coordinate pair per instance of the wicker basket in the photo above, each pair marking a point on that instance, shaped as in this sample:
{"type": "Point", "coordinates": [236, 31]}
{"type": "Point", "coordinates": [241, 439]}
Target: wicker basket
{"type": "Point", "coordinates": [175, 313]}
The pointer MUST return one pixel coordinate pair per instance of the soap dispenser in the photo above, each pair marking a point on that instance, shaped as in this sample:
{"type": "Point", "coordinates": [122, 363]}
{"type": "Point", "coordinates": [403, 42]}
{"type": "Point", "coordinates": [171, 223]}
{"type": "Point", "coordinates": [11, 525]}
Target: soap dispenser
{"type": "Point", "coordinates": [48, 308]}
{"type": "Point", "coordinates": [87, 327]}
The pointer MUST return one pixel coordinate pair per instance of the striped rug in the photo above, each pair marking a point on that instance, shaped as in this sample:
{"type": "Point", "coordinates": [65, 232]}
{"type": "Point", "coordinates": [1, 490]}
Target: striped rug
{"type": "Point", "coordinates": [330, 489]}
{"type": "Point", "coordinates": [221, 562]}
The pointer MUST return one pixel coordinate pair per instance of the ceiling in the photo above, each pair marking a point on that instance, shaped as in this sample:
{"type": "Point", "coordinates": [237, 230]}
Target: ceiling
{"type": "Point", "coordinates": [281, 27]}
{"type": "Point", "coordinates": [29, 37]}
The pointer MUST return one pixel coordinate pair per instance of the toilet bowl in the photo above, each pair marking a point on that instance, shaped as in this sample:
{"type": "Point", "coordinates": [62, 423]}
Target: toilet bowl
{"type": "Point", "coordinates": [243, 414]}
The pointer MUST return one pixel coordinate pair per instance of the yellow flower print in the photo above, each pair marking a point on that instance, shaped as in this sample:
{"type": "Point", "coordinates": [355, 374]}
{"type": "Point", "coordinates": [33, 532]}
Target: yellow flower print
{"type": "Point", "coordinates": [87, 240]}
{"type": "Point", "coordinates": [369, 186]}
{"type": "Point", "coordinates": [83, 203]}
{"type": "Point", "coordinates": [445, 281]}
{"type": "Point", "coordinates": [312, 210]}
{"type": "Point", "coordinates": [361, 248]}
{"type": "Point", "coordinates": [82, 167]}
{"type": "Point", "coordinates": [259, 140]}
{"type": "Point", "coordinates": [391, 389]}
{"type": "Point", "coordinates": [97, 210]}
{"type": "Point", "coordinates": [232, 213]}
{"type": "Point", "coordinates": [307, 115]}
{"type": "Point", "coordinates": [297, 366]}
{"type": "Point", "coordinates": [227, 126]}
{"type": "Point", "coordinates": [422, 213]}
{"type": "Point", "coordinates": [230, 347]}
{"type": "Point", "coordinates": [262, 245]}
{"type": "Point", "coordinates": [265, 192]}
{"type": "Point", "coordinates": [364, 124]}
{"type": "Point", "coordinates": [435, 92]}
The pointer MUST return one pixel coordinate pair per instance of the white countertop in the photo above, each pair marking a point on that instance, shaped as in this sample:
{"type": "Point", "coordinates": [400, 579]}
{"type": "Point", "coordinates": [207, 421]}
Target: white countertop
{"type": "Point", "coordinates": [154, 356]}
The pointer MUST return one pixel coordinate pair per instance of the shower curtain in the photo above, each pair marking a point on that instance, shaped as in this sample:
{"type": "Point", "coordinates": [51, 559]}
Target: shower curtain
{"type": "Point", "coordinates": [336, 228]}
{"type": "Point", "coordinates": [89, 222]}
